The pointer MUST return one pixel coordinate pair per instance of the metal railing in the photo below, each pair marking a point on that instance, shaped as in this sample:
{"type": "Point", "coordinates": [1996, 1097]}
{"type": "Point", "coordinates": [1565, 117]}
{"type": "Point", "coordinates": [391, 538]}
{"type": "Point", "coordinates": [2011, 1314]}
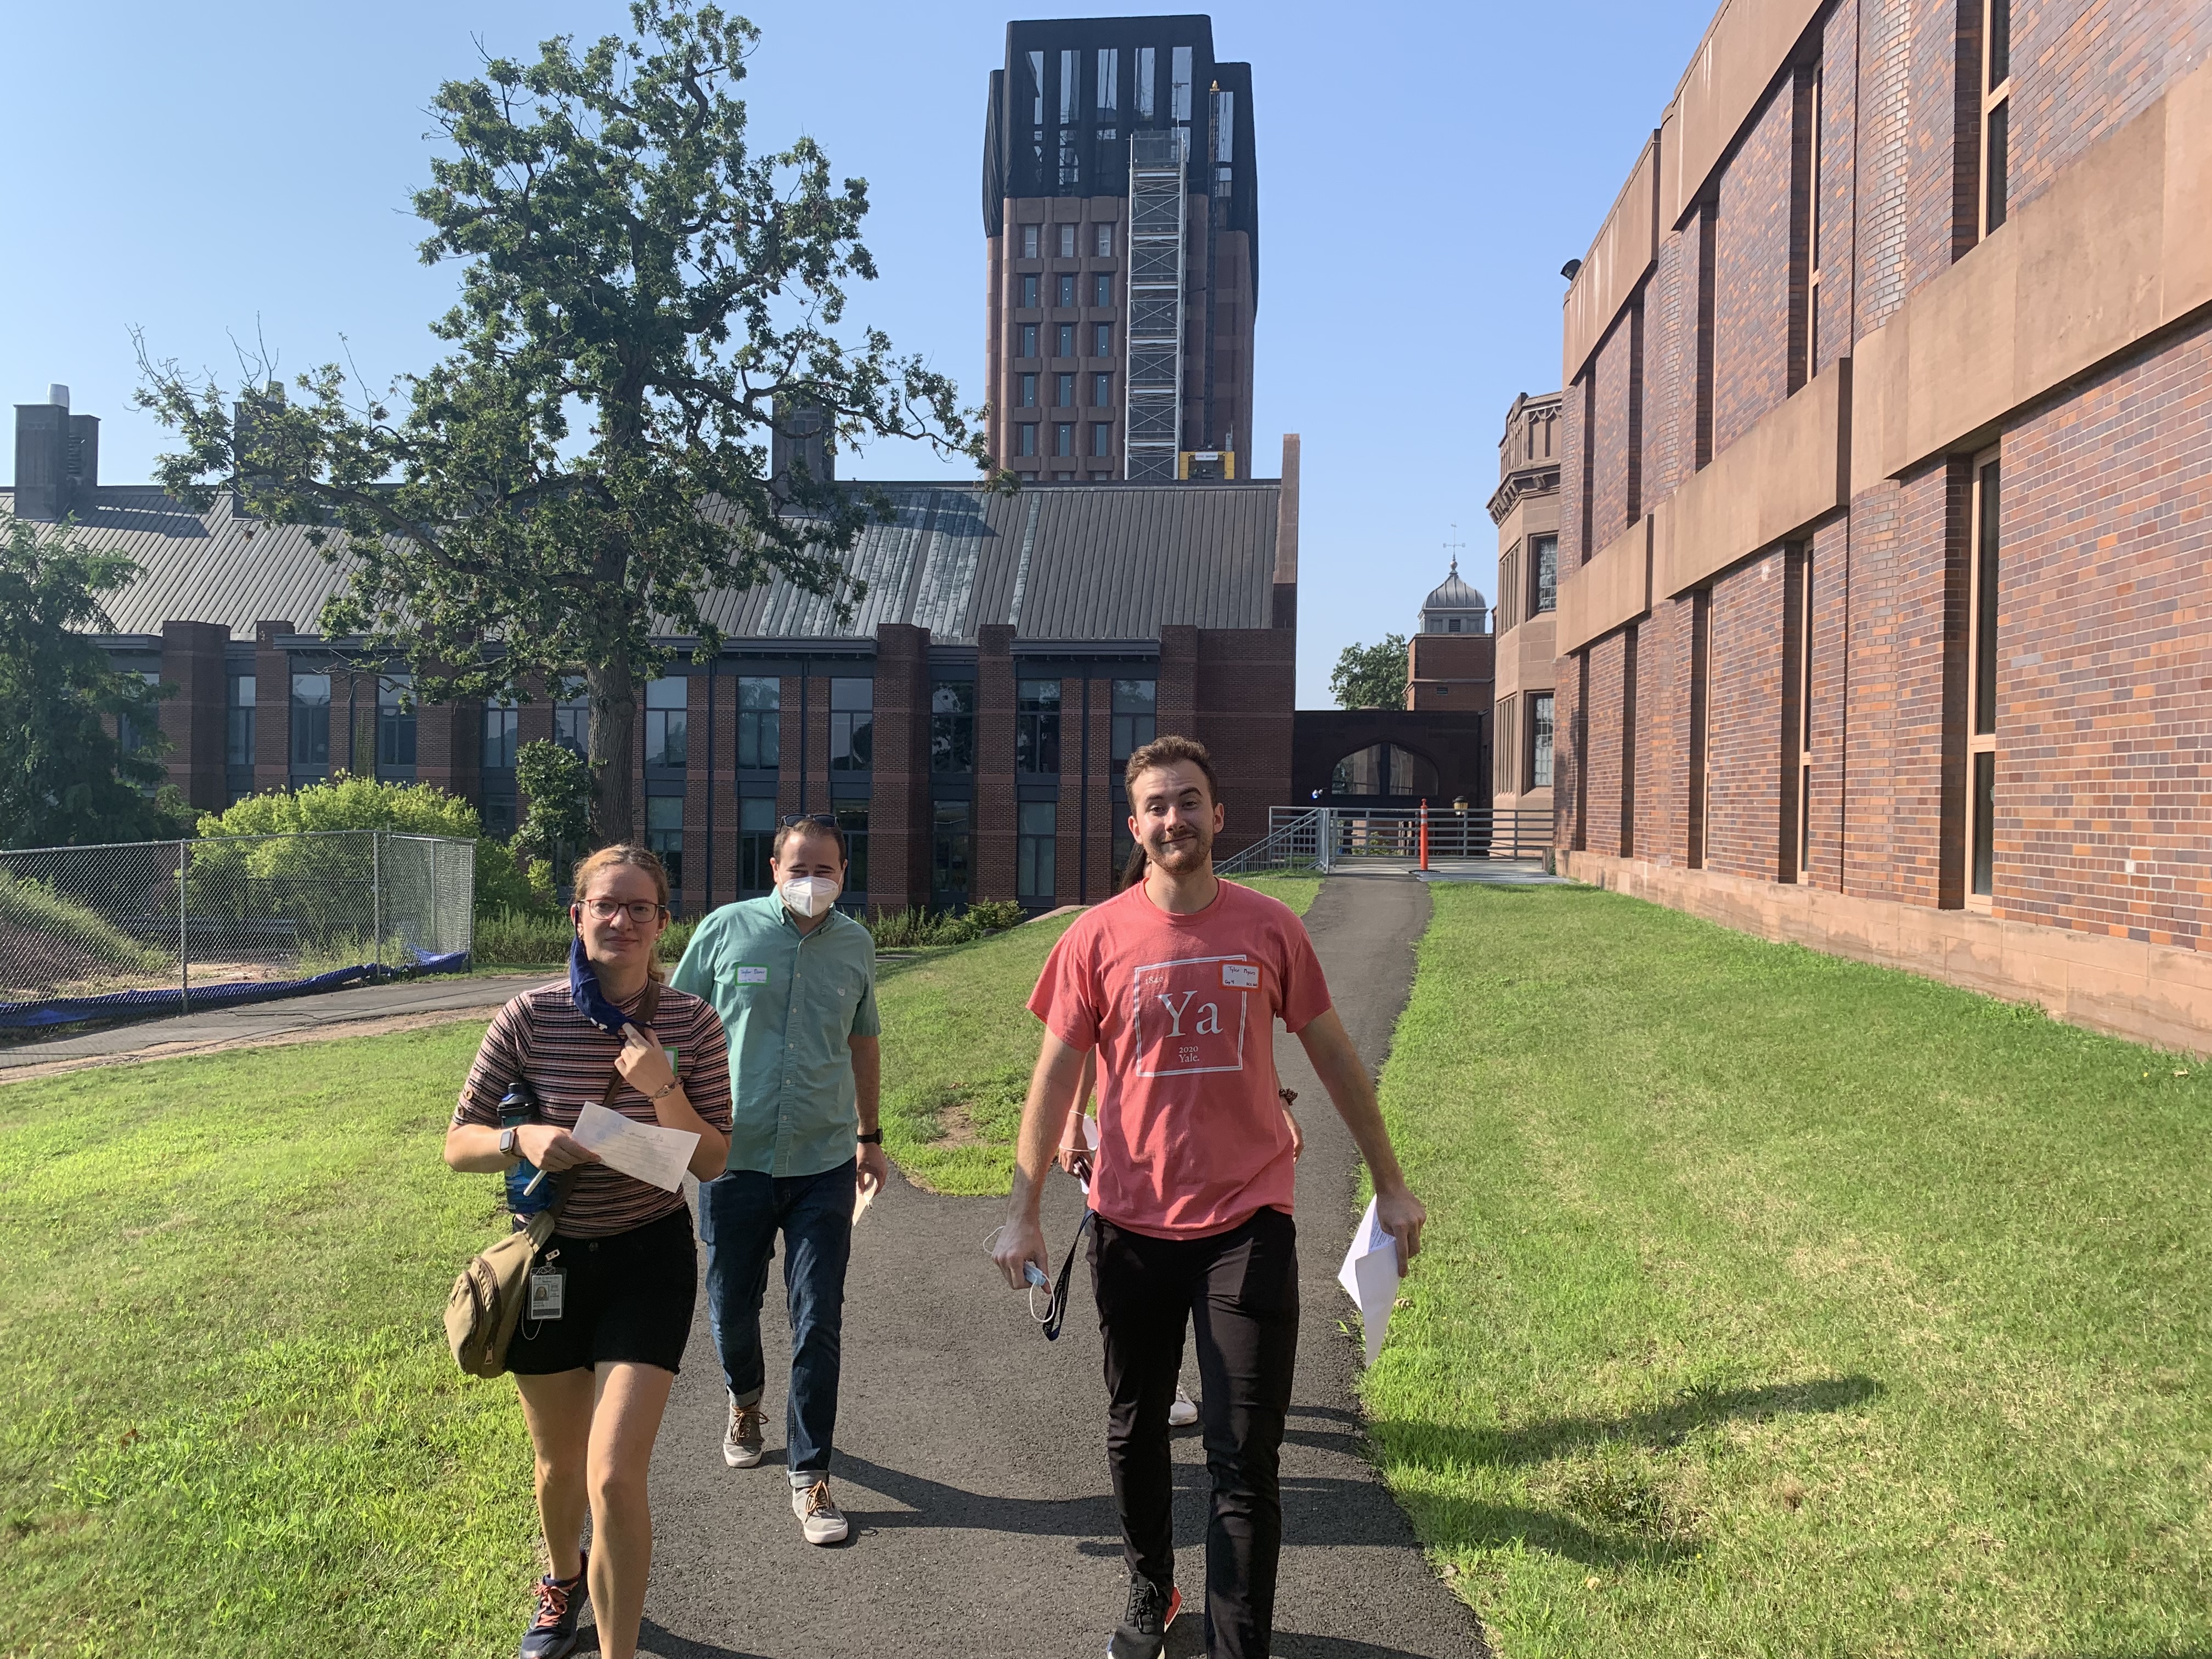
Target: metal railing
{"type": "Point", "coordinates": [1330, 838]}
{"type": "Point", "coordinates": [168, 926]}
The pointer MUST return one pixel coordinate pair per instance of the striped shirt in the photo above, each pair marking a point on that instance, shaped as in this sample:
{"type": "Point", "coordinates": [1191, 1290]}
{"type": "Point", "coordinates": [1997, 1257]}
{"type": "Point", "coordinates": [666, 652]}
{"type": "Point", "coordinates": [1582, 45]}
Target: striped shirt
{"type": "Point", "coordinates": [568, 1060]}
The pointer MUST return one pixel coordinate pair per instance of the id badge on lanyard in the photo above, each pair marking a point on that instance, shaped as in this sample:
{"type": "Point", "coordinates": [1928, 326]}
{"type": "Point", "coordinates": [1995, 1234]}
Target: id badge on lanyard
{"type": "Point", "coordinates": [547, 1285]}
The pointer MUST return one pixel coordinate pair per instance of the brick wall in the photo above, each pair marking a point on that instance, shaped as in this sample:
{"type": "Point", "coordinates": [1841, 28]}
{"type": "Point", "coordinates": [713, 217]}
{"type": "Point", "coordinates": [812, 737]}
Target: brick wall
{"type": "Point", "coordinates": [1752, 274]}
{"type": "Point", "coordinates": [898, 810]}
{"type": "Point", "coordinates": [1602, 772]}
{"type": "Point", "coordinates": [1247, 687]}
{"type": "Point", "coordinates": [2080, 69]}
{"type": "Point", "coordinates": [193, 720]}
{"type": "Point", "coordinates": [1613, 374]}
{"type": "Point", "coordinates": [1743, 831]}
{"type": "Point", "coordinates": [993, 847]}
{"type": "Point", "coordinates": [272, 710]}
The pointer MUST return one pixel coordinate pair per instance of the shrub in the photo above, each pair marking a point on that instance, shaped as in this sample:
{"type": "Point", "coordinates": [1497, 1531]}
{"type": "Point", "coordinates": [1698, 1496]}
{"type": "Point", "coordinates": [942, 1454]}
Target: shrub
{"type": "Point", "coordinates": [900, 930]}
{"type": "Point", "coordinates": [68, 939]}
{"type": "Point", "coordinates": [534, 939]}
{"type": "Point", "coordinates": [991, 915]}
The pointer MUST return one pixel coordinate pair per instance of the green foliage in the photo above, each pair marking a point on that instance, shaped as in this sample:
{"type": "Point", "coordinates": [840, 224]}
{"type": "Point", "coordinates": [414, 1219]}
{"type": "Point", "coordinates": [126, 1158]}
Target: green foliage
{"type": "Point", "coordinates": [64, 780]}
{"type": "Point", "coordinates": [1371, 675]}
{"type": "Point", "coordinates": [534, 939]}
{"type": "Point", "coordinates": [556, 826]}
{"type": "Point", "coordinates": [67, 940]}
{"type": "Point", "coordinates": [911, 928]}
{"type": "Point", "coordinates": [631, 265]}
{"type": "Point", "coordinates": [1773, 1303]}
{"type": "Point", "coordinates": [992, 916]}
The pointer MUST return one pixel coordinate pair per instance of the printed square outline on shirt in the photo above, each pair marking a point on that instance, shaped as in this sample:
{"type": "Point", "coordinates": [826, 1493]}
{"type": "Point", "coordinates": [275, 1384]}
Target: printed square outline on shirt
{"type": "Point", "coordinates": [1137, 1014]}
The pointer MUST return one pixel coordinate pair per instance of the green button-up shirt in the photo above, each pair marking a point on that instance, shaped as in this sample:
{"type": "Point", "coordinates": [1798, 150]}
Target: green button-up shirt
{"type": "Point", "coordinates": [788, 1001]}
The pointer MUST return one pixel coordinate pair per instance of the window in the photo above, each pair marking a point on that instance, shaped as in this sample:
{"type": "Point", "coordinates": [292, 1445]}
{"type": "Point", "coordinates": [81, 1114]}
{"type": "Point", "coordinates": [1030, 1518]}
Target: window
{"type": "Point", "coordinates": [572, 723]}
{"type": "Point", "coordinates": [666, 723]}
{"type": "Point", "coordinates": [853, 819]}
{"type": "Point", "coordinates": [1068, 241]}
{"type": "Point", "coordinates": [760, 723]}
{"type": "Point", "coordinates": [664, 835]}
{"type": "Point", "coordinates": [1029, 341]}
{"type": "Point", "coordinates": [1066, 340]}
{"type": "Point", "coordinates": [311, 719]}
{"type": "Point", "coordinates": [238, 718]}
{"type": "Point", "coordinates": [501, 720]}
{"type": "Point", "coordinates": [1804, 733]}
{"type": "Point", "coordinates": [498, 817]}
{"type": "Point", "coordinates": [952, 725]}
{"type": "Point", "coordinates": [1543, 575]}
{"type": "Point", "coordinates": [1981, 684]}
{"type": "Point", "coordinates": [1812, 329]}
{"type": "Point", "coordinates": [948, 873]}
{"type": "Point", "coordinates": [1109, 79]}
{"type": "Point", "coordinates": [1102, 244]}
{"type": "Point", "coordinates": [1102, 439]}
{"type": "Point", "coordinates": [1997, 110]}
{"type": "Point", "coordinates": [1540, 740]}
{"type": "Point", "coordinates": [1063, 438]}
{"type": "Point", "coordinates": [756, 844]}
{"type": "Point", "coordinates": [1102, 339]}
{"type": "Point", "coordinates": [1029, 299]}
{"type": "Point", "coordinates": [1135, 709]}
{"type": "Point", "coordinates": [1147, 98]}
{"type": "Point", "coordinates": [1102, 288]}
{"type": "Point", "coordinates": [1028, 391]}
{"type": "Point", "coordinates": [1067, 295]}
{"type": "Point", "coordinates": [1037, 726]}
{"type": "Point", "coordinates": [395, 721]}
{"type": "Point", "coordinates": [1101, 391]}
{"type": "Point", "coordinates": [1179, 89]}
{"type": "Point", "coordinates": [1025, 439]}
{"type": "Point", "coordinates": [852, 725]}
{"type": "Point", "coordinates": [1030, 240]}
{"type": "Point", "coordinates": [1063, 391]}
{"type": "Point", "coordinates": [130, 735]}
{"type": "Point", "coordinates": [1453, 626]}
{"type": "Point", "coordinates": [1034, 877]}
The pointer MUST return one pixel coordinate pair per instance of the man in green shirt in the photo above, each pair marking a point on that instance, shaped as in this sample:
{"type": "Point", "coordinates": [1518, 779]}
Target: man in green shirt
{"type": "Point", "coordinates": [794, 981]}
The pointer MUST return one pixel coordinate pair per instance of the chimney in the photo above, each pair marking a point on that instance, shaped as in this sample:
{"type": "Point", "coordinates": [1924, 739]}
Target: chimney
{"type": "Point", "coordinates": [798, 434]}
{"type": "Point", "coordinates": [57, 458]}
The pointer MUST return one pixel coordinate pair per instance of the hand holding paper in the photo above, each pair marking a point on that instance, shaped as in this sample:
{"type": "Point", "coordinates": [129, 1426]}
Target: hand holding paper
{"type": "Point", "coordinates": [656, 1157]}
{"type": "Point", "coordinates": [1370, 1277]}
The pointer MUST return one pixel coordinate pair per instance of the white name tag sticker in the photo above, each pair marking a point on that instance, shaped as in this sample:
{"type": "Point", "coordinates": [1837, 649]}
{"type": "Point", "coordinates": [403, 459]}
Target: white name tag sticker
{"type": "Point", "coordinates": [1244, 975]}
{"type": "Point", "coordinates": [748, 975]}
{"type": "Point", "coordinates": [545, 1288]}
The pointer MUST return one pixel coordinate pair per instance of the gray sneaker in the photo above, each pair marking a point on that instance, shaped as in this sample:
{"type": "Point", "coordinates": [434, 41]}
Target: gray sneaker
{"type": "Point", "coordinates": [819, 1517]}
{"type": "Point", "coordinates": [741, 1440]}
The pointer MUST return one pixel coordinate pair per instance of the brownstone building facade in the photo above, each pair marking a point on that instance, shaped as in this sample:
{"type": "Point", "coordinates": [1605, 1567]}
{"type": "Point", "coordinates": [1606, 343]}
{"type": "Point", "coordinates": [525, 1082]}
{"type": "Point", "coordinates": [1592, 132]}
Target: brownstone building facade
{"type": "Point", "coordinates": [1883, 528]}
{"type": "Point", "coordinates": [1525, 507]}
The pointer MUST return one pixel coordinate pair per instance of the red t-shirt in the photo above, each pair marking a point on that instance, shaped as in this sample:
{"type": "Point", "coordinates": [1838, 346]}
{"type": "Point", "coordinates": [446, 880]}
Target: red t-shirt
{"type": "Point", "coordinates": [1181, 1010]}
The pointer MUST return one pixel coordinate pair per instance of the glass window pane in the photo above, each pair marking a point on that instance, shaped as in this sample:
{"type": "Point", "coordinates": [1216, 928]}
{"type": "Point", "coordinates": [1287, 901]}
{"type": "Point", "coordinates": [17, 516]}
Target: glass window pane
{"type": "Point", "coordinates": [1540, 740]}
{"type": "Point", "coordinates": [1986, 782]}
{"type": "Point", "coordinates": [1985, 607]}
{"type": "Point", "coordinates": [311, 719]}
{"type": "Point", "coordinates": [1109, 79]}
{"type": "Point", "coordinates": [854, 820]}
{"type": "Point", "coordinates": [949, 853]}
{"type": "Point", "coordinates": [1999, 118]}
{"type": "Point", "coordinates": [1546, 573]}
{"type": "Point", "coordinates": [1179, 101]}
{"type": "Point", "coordinates": [1146, 98]}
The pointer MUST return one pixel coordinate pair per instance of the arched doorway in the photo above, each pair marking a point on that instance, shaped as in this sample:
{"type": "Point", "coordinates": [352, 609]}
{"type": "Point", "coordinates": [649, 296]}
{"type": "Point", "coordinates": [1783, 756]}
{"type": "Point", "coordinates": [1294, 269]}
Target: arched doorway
{"type": "Point", "coordinates": [1384, 771]}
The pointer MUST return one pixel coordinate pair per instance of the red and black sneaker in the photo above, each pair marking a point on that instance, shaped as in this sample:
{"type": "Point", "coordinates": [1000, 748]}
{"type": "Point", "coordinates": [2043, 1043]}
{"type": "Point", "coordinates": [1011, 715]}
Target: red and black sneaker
{"type": "Point", "coordinates": [552, 1633]}
{"type": "Point", "coordinates": [1143, 1631]}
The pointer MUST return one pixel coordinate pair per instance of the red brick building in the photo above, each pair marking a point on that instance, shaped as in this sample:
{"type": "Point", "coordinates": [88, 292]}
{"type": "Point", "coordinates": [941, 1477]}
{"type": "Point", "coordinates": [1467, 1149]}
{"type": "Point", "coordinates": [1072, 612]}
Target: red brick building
{"type": "Point", "coordinates": [1883, 522]}
{"type": "Point", "coordinates": [968, 726]}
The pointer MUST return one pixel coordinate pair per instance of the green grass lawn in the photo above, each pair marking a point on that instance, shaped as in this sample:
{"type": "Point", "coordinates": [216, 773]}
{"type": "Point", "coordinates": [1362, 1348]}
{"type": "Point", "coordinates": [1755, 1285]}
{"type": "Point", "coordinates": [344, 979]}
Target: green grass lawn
{"type": "Point", "coordinates": [1774, 1304]}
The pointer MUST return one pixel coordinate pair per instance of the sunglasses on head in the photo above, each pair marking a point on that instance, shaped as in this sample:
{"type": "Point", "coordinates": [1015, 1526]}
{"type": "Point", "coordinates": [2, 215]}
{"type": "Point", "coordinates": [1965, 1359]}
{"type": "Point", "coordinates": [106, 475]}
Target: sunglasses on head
{"type": "Point", "coordinates": [821, 818]}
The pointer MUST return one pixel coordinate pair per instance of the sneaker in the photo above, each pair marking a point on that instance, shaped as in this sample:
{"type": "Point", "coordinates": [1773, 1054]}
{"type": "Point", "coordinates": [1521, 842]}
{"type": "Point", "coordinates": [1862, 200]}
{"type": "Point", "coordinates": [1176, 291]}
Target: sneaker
{"type": "Point", "coordinates": [819, 1517]}
{"type": "Point", "coordinates": [741, 1440]}
{"type": "Point", "coordinates": [1143, 1631]}
{"type": "Point", "coordinates": [553, 1631]}
{"type": "Point", "coordinates": [1184, 1412]}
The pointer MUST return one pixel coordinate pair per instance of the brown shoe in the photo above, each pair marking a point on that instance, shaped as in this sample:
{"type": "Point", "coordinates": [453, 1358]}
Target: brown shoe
{"type": "Point", "coordinates": [741, 1440]}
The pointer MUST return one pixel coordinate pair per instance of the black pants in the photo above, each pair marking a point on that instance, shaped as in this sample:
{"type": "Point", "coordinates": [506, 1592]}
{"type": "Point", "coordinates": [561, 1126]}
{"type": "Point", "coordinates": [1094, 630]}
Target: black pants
{"type": "Point", "coordinates": [1240, 1290]}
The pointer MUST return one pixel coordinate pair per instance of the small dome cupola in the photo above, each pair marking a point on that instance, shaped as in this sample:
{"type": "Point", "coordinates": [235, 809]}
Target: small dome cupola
{"type": "Point", "coordinates": [1454, 608]}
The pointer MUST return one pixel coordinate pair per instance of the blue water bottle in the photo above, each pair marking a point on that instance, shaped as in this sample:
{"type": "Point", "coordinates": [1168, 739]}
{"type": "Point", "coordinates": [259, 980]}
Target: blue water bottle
{"type": "Point", "coordinates": [517, 1107]}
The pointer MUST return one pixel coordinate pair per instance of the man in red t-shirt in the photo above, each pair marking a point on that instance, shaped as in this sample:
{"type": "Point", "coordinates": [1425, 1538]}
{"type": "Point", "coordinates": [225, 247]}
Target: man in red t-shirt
{"type": "Point", "coordinates": [1177, 984]}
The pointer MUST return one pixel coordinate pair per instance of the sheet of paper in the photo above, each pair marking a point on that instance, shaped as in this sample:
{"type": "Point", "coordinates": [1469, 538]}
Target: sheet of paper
{"type": "Point", "coordinates": [655, 1155]}
{"type": "Point", "coordinates": [1090, 1140]}
{"type": "Point", "coordinates": [1369, 1278]}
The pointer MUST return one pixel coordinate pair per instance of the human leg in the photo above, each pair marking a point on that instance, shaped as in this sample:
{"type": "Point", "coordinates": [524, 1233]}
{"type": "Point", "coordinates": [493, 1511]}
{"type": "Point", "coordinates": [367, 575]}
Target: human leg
{"type": "Point", "coordinates": [1246, 1320]}
{"type": "Point", "coordinates": [631, 1400]}
{"type": "Point", "coordinates": [1143, 1293]}
{"type": "Point", "coordinates": [737, 1219]}
{"type": "Point", "coordinates": [816, 1214]}
{"type": "Point", "coordinates": [558, 1410]}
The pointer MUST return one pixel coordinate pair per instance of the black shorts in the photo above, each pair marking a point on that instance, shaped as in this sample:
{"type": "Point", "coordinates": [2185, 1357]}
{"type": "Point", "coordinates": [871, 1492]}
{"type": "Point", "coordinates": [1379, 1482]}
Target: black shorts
{"type": "Point", "coordinates": [626, 1298]}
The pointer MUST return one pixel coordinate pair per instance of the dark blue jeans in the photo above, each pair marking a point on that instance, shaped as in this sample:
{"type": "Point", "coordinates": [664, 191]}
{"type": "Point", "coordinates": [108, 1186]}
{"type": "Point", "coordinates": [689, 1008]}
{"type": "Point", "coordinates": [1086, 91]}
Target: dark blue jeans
{"type": "Point", "coordinates": [739, 1215]}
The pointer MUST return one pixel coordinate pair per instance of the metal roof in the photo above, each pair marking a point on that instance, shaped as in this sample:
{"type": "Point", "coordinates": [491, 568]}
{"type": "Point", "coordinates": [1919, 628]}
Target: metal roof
{"type": "Point", "coordinates": [1059, 562]}
{"type": "Point", "coordinates": [1453, 594]}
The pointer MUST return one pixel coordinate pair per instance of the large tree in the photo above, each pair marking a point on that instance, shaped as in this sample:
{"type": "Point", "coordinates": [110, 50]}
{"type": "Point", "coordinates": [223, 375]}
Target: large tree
{"type": "Point", "coordinates": [1371, 675]}
{"type": "Point", "coordinates": [64, 777]}
{"type": "Point", "coordinates": [642, 297]}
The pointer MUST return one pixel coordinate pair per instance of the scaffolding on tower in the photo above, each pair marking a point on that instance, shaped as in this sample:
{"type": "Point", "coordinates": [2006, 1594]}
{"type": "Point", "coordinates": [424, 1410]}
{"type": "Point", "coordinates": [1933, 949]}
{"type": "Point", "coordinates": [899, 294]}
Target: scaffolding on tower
{"type": "Point", "coordinates": [1153, 383]}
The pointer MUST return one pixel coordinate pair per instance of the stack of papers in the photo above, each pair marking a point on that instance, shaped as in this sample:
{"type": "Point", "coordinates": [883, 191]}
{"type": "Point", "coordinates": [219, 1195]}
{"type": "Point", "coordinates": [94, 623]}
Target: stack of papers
{"type": "Point", "coordinates": [1369, 1278]}
{"type": "Point", "coordinates": [657, 1157]}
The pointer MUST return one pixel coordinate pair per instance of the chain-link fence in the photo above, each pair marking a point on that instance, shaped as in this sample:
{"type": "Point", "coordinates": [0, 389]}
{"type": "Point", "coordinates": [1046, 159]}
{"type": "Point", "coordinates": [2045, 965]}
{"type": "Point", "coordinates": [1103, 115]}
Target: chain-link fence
{"type": "Point", "coordinates": [171, 925]}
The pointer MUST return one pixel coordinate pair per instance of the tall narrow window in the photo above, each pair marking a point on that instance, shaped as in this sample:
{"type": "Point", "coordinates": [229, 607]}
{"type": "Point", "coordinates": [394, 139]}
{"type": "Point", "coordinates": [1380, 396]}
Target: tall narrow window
{"type": "Point", "coordinates": [664, 835]}
{"type": "Point", "coordinates": [1805, 233]}
{"type": "Point", "coordinates": [1702, 393]}
{"type": "Point", "coordinates": [1540, 740]}
{"type": "Point", "coordinates": [1102, 288]}
{"type": "Point", "coordinates": [1029, 341]}
{"type": "Point", "coordinates": [1103, 244]}
{"type": "Point", "coordinates": [852, 725]}
{"type": "Point", "coordinates": [1064, 389]}
{"type": "Point", "coordinates": [1029, 301]}
{"type": "Point", "coordinates": [1996, 109]}
{"type": "Point", "coordinates": [1066, 295]}
{"type": "Point", "coordinates": [666, 721]}
{"type": "Point", "coordinates": [1701, 653]}
{"type": "Point", "coordinates": [1179, 91]}
{"type": "Point", "coordinates": [756, 843]}
{"type": "Point", "coordinates": [1037, 726]}
{"type": "Point", "coordinates": [1135, 716]}
{"type": "Point", "coordinates": [1982, 662]}
{"type": "Point", "coordinates": [1025, 439]}
{"type": "Point", "coordinates": [1804, 733]}
{"type": "Point", "coordinates": [1028, 391]}
{"type": "Point", "coordinates": [1102, 440]}
{"type": "Point", "coordinates": [1067, 241]}
{"type": "Point", "coordinates": [853, 819]}
{"type": "Point", "coordinates": [1102, 339]}
{"type": "Point", "coordinates": [1063, 438]}
{"type": "Point", "coordinates": [502, 724]}
{"type": "Point", "coordinates": [237, 738]}
{"type": "Point", "coordinates": [952, 727]}
{"type": "Point", "coordinates": [1109, 95]}
{"type": "Point", "coordinates": [1065, 343]}
{"type": "Point", "coordinates": [1544, 575]}
{"type": "Point", "coordinates": [311, 719]}
{"type": "Point", "coordinates": [948, 878]}
{"type": "Point", "coordinates": [132, 735]}
{"type": "Point", "coordinates": [1147, 99]}
{"type": "Point", "coordinates": [1035, 876]}
{"type": "Point", "coordinates": [572, 723]}
{"type": "Point", "coordinates": [1030, 246]}
{"type": "Point", "coordinates": [1101, 391]}
{"type": "Point", "coordinates": [760, 720]}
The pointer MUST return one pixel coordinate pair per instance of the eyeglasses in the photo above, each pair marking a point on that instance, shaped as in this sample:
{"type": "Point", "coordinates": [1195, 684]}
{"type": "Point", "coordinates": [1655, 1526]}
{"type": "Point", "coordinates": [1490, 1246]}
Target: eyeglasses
{"type": "Point", "coordinates": [822, 818]}
{"type": "Point", "coordinates": [640, 911]}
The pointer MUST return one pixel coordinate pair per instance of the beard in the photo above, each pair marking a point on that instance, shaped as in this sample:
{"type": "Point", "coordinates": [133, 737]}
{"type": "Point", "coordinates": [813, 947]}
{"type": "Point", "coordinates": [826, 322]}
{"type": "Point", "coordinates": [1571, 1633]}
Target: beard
{"type": "Point", "coordinates": [1191, 850]}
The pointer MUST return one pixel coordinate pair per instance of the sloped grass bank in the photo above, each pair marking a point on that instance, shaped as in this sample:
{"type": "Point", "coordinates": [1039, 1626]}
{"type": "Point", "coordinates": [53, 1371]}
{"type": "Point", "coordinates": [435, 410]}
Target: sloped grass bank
{"type": "Point", "coordinates": [1779, 1305]}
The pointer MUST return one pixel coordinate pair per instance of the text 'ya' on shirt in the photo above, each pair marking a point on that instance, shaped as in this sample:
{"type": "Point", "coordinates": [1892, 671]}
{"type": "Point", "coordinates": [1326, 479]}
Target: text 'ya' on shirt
{"type": "Point", "coordinates": [1181, 1009]}
{"type": "Point", "coordinates": [788, 1001]}
{"type": "Point", "coordinates": [540, 1036]}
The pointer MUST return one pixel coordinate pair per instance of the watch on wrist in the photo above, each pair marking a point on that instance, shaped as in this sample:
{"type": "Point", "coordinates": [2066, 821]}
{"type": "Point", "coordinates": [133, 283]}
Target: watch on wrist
{"type": "Point", "coordinates": [507, 1146]}
{"type": "Point", "coordinates": [874, 1138]}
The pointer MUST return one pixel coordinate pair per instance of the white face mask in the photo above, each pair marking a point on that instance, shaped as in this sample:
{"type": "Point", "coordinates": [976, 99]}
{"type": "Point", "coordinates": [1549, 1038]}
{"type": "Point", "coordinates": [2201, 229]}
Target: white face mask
{"type": "Point", "coordinates": [810, 895]}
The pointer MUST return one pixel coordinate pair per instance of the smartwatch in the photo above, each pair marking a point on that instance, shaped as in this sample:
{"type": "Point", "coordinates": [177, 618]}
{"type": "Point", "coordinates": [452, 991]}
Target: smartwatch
{"type": "Point", "coordinates": [507, 1146]}
{"type": "Point", "coordinates": [874, 1138]}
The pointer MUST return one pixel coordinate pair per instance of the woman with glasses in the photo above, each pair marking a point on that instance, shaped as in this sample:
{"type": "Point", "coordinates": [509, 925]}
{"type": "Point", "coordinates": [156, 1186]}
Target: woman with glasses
{"type": "Point", "coordinates": [611, 1293]}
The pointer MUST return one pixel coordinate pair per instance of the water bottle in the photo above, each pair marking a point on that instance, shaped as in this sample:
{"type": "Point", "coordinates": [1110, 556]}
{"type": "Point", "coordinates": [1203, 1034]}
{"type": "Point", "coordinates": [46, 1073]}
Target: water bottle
{"type": "Point", "coordinates": [517, 1107]}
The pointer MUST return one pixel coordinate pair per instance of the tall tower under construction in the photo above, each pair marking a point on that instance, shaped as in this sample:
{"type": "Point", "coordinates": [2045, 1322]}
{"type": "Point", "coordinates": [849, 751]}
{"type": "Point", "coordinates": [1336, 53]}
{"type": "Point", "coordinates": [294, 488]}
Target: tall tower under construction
{"type": "Point", "coordinates": [1122, 218]}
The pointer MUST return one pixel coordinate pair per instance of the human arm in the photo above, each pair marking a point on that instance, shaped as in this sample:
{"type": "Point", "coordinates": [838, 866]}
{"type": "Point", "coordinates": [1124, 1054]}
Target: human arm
{"type": "Point", "coordinates": [473, 1148]}
{"type": "Point", "coordinates": [1054, 1087]}
{"type": "Point", "coordinates": [472, 1139]}
{"type": "Point", "coordinates": [644, 1065]}
{"type": "Point", "coordinates": [1074, 1148]}
{"type": "Point", "coordinates": [1344, 1074]}
{"type": "Point", "coordinates": [867, 1052]}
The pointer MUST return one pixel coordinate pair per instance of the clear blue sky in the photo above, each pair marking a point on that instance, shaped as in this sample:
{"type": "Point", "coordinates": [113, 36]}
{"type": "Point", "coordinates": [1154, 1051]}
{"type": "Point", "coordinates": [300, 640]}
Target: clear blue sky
{"type": "Point", "coordinates": [204, 172]}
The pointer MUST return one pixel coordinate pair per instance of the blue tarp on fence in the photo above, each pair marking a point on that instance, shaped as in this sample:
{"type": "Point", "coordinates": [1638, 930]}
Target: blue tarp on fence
{"type": "Point", "coordinates": [62, 1011]}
